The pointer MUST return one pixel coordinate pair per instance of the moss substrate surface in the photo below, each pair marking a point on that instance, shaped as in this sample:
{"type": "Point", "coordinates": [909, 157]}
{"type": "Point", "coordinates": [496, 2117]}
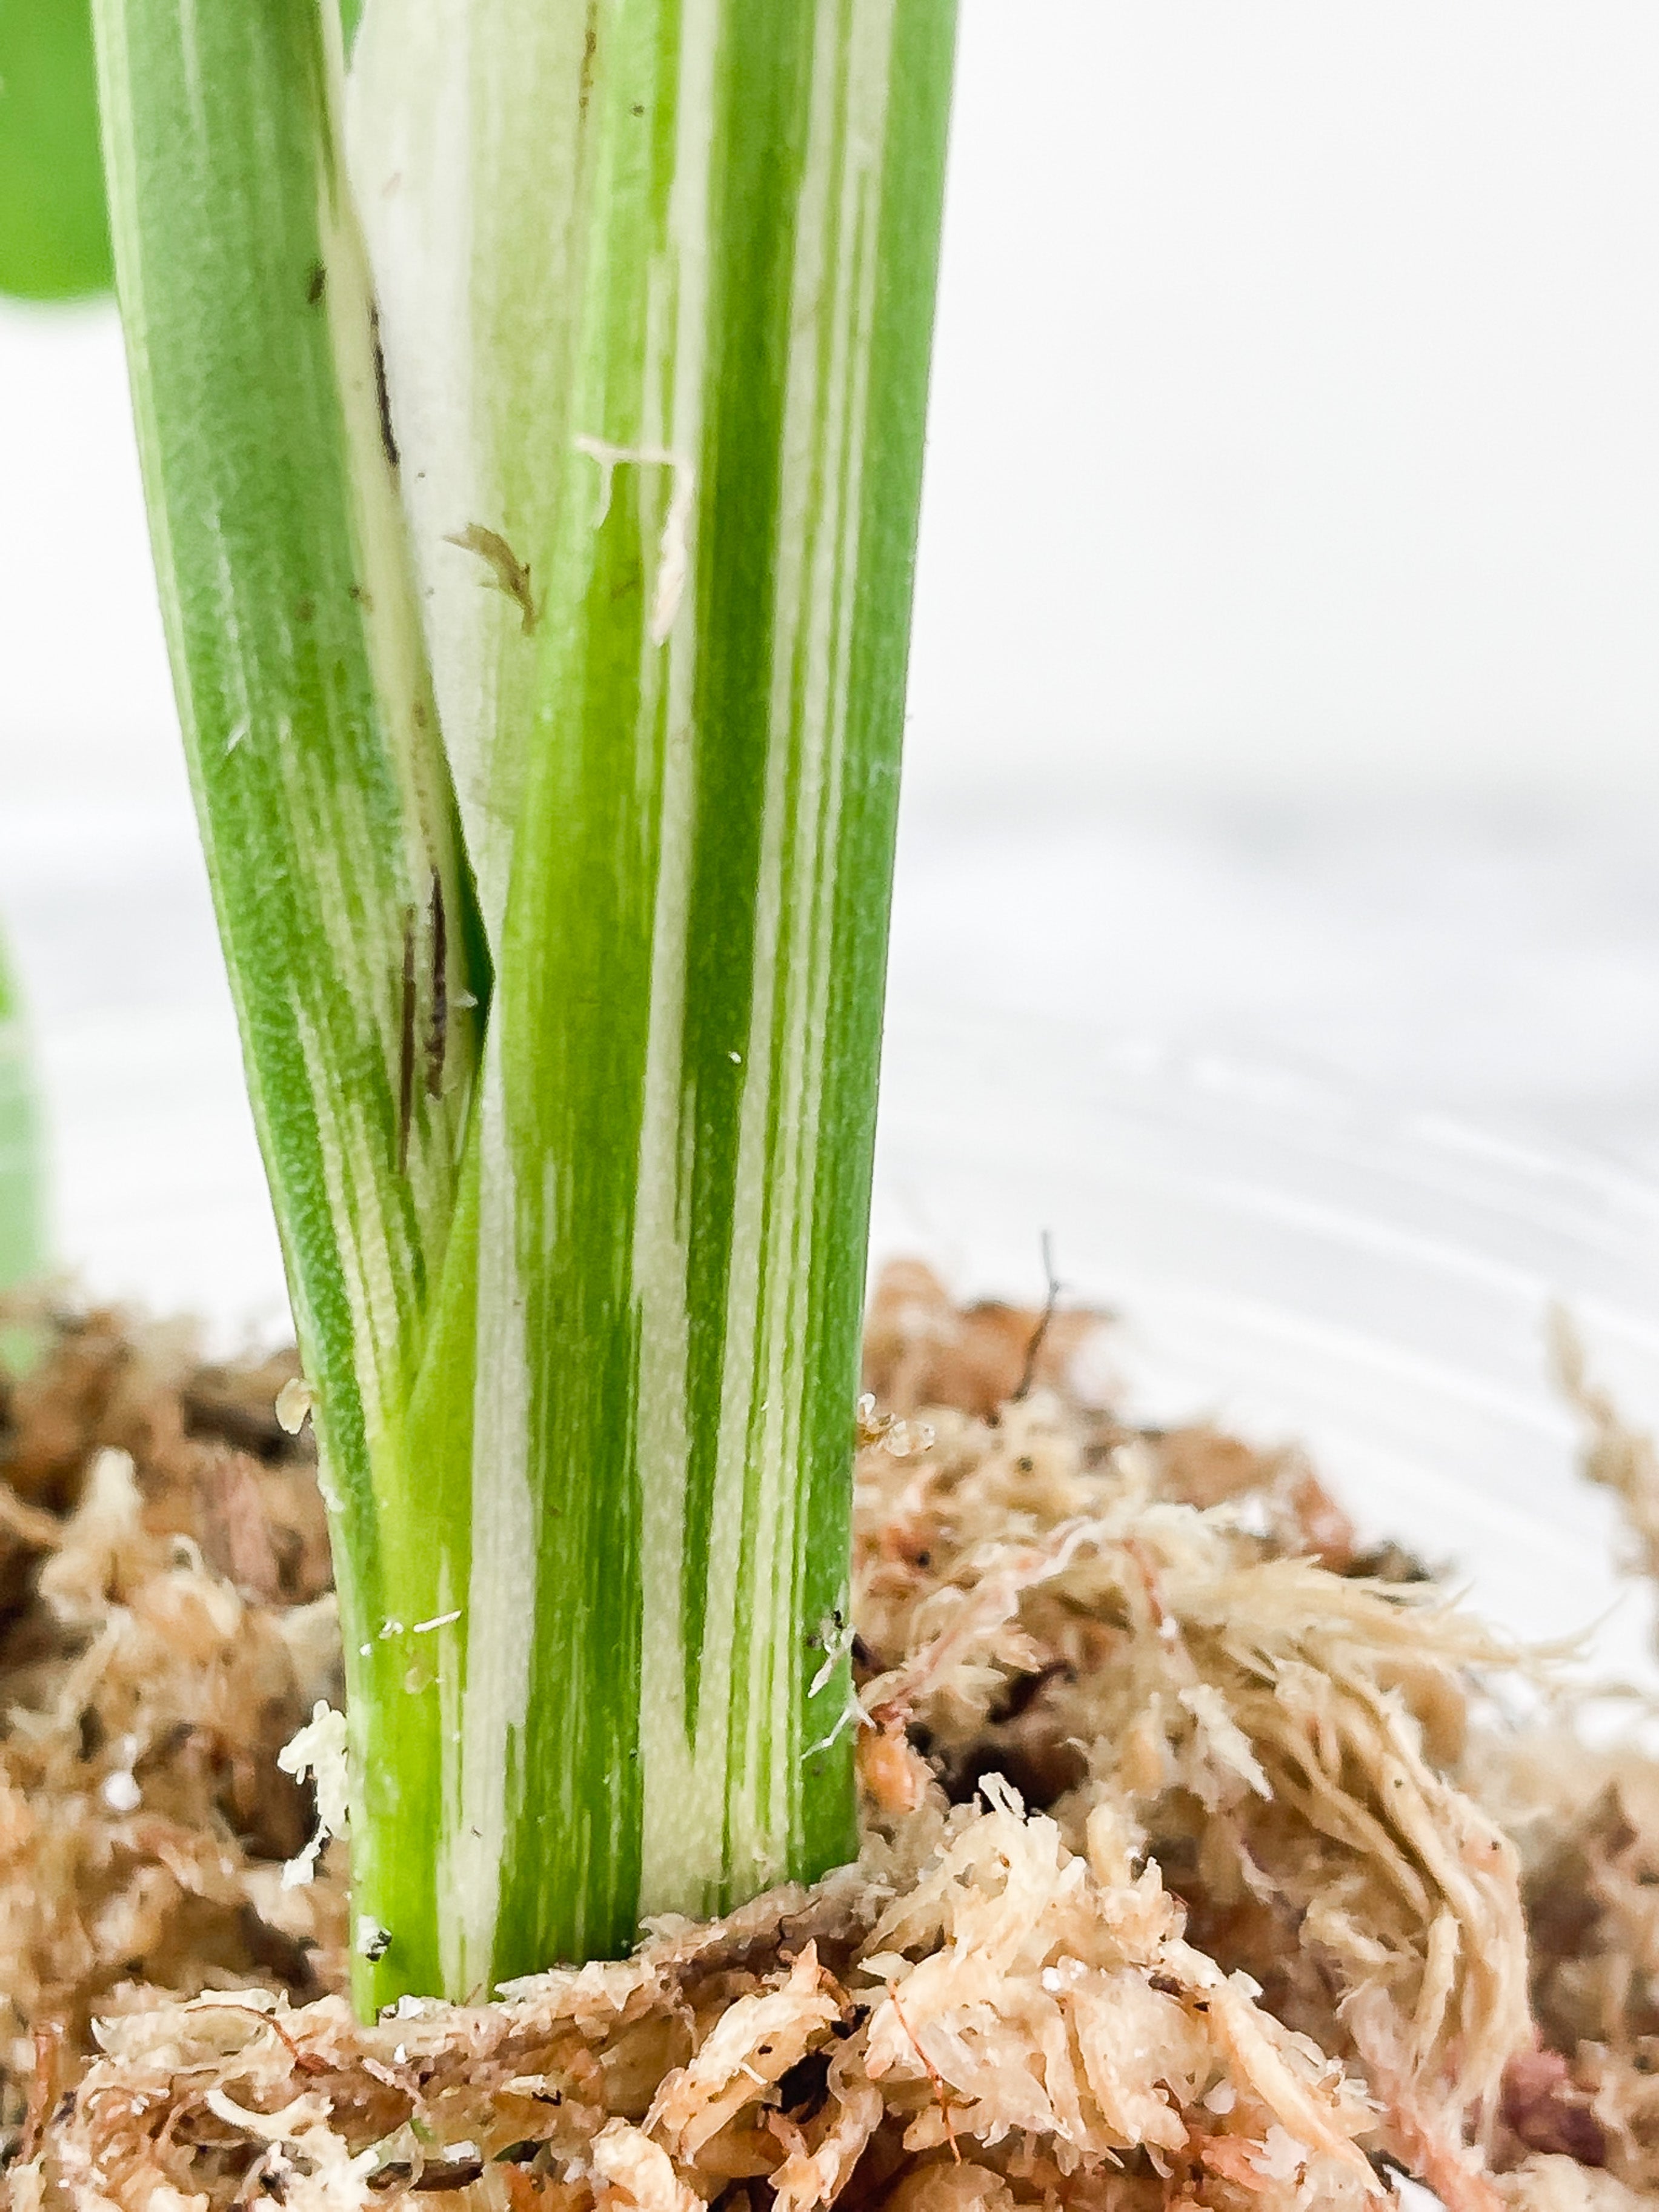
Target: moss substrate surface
{"type": "Point", "coordinates": [1205, 1860]}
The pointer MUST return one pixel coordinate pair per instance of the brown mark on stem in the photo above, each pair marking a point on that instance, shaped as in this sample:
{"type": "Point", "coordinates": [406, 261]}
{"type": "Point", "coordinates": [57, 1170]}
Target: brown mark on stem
{"type": "Point", "coordinates": [437, 1031]}
{"type": "Point", "coordinates": [406, 1050]}
{"type": "Point", "coordinates": [382, 397]}
{"type": "Point", "coordinates": [590, 48]}
{"type": "Point", "coordinates": [506, 572]}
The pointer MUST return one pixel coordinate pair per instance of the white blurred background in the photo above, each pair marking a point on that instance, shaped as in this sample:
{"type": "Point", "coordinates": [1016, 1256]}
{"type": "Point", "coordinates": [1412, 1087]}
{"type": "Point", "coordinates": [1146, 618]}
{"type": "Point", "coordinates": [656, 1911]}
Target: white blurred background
{"type": "Point", "coordinates": [1287, 675]}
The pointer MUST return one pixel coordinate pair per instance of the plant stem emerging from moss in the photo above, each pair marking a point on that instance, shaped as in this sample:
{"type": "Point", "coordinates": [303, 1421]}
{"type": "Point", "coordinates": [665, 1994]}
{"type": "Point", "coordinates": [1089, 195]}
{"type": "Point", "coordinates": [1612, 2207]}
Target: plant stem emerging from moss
{"type": "Point", "coordinates": [573, 1177]}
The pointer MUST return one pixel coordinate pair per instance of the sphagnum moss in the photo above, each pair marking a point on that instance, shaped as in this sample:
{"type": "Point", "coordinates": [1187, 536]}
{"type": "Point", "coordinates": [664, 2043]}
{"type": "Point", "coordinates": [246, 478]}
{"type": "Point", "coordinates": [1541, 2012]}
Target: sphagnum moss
{"type": "Point", "coordinates": [1189, 1870]}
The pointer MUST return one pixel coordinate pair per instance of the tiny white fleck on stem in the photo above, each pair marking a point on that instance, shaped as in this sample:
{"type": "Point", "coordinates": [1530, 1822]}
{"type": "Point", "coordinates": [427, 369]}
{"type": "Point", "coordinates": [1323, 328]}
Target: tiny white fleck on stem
{"type": "Point", "coordinates": [836, 1635]}
{"type": "Point", "coordinates": [674, 547]}
{"type": "Point", "coordinates": [854, 1712]}
{"type": "Point", "coordinates": [293, 1404]}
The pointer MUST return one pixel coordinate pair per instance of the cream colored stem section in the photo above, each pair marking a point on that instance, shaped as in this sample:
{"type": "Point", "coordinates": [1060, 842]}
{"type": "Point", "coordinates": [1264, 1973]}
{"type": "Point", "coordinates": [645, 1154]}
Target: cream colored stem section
{"type": "Point", "coordinates": [483, 1781]}
{"type": "Point", "coordinates": [678, 1808]}
{"type": "Point", "coordinates": [474, 260]}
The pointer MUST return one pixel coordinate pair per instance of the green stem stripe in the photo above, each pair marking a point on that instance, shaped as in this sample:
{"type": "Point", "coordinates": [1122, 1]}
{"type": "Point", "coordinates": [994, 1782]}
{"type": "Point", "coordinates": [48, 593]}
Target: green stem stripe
{"type": "Point", "coordinates": [320, 783]}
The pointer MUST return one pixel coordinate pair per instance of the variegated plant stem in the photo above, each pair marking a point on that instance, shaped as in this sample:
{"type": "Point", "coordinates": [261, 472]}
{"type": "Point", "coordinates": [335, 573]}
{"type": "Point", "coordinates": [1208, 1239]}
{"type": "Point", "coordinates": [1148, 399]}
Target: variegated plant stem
{"type": "Point", "coordinates": [655, 286]}
{"type": "Point", "coordinates": [22, 1239]}
{"type": "Point", "coordinates": [349, 925]}
{"type": "Point", "coordinates": [668, 450]}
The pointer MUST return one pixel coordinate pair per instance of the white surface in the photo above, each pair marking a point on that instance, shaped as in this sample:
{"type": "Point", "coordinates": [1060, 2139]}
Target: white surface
{"type": "Point", "coordinates": [157, 1190]}
{"type": "Point", "coordinates": [1245, 1067]}
{"type": "Point", "coordinates": [1497, 963]}
{"type": "Point", "coordinates": [85, 702]}
{"type": "Point", "coordinates": [1501, 960]}
{"type": "Point", "coordinates": [1295, 458]}
{"type": "Point", "coordinates": [1295, 417]}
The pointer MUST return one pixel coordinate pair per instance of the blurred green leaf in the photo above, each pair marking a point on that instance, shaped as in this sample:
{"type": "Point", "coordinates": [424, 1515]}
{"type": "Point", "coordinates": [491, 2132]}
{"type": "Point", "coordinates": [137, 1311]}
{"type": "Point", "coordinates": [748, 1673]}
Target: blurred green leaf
{"type": "Point", "coordinates": [54, 233]}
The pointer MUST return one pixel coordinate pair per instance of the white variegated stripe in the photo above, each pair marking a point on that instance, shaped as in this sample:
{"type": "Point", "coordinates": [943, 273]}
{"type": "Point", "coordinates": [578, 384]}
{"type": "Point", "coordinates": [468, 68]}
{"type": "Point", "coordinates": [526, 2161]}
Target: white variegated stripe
{"type": "Point", "coordinates": [734, 1577]}
{"type": "Point", "coordinates": [503, 1604]}
{"type": "Point", "coordinates": [823, 571]}
{"type": "Point", "coordinates": [411, 164]}
{"type": "Point", "coordinates": [473, 250]}
{"type": "Point", "coordinates": [682, 1820]}
{"type": "Point", "coordinates": [801, 736]}
{"type": "Point", "coordinates": [709, 1798]}
{"type": "Point", "coordinates": [502, 429]}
